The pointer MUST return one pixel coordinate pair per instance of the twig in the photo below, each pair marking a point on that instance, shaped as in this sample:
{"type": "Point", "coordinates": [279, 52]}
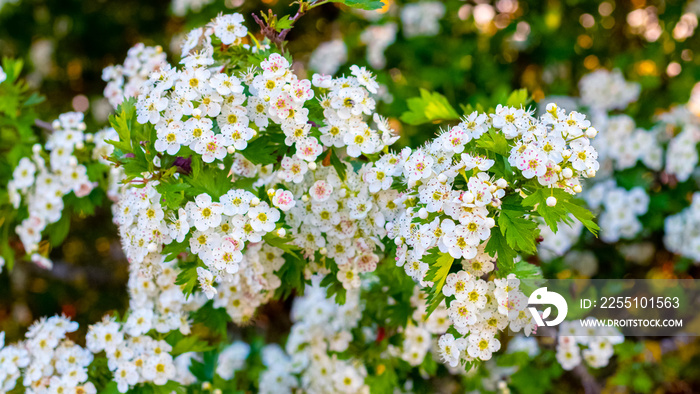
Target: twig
{"type": "Point", "coordinates": [44, 125]}
{"type": "Point", "coordinates": [279, 38]}
{"type": "Point", "coordinates": [590, 385]}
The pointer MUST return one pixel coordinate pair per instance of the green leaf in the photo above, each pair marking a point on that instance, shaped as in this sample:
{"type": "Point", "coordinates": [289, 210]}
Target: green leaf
{"type": "Point", "coordinates": [58, 231]}
{"type": "Point", "coordinates": [338, 165]}
{"type": "Point", "coordinates": [498, 247]}
{"type": "Point", "coordinates": [439, 267]}
{"type": "Point", "coordinates": [291, 275]}
{"type": "Point", "coordinates": [566, 204]}
{"type": "Point", "coordinates": [188, 279]}
{"type": "Point", "coordinates": [494, 141]}
{"type": "Point", "coordinates": [429, 107]}
{"type": "Point", "coordinates": [521, 234]}
{"type": "Point", "coordinates": [191, 343]}
{"type": "Point", "coordinates": [283, 23]}
{"type": "Point", "coordinates": [519, 98]}
{"type": "Point", "coordinates": [215, 320]}
{"type": "Point", "coordinates": [285, 243]}
{"type": "Point", "coordinates": [368, 5]}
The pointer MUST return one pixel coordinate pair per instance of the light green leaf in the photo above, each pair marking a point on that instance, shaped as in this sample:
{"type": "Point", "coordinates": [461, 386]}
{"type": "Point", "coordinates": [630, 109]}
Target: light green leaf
{"type": "Point", "coordinates": [429, 107]}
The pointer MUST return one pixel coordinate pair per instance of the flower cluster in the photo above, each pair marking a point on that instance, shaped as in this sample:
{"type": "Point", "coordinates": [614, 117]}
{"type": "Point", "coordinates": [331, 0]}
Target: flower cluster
{"type": "Point", "coordinates": [682, 231]}
{"type": "Point", "coordinates": [208, 122]}
{"type": "Point", "coordinates": [597, 344]}
{"type": "Point", "coordinates": [452, 215]}
{"type": "Point", "coordinates": [157, 303]}
{"type": "Point", "coordinates": [46, 360]}
{"type": "Point", "coordinates": [125, 81]}
{"type": "Point", "coordinates": [604, 90]}
{"type": "Point", "coordinates": [42, 180]}
{"type": "Point", "coordinates": [133, 359]}
{"type": "Point", "coordinates": [321, 327]}
{"type": "Point", "coordinates": [620, 209]}
{"type": "Point", "coordinates": [620, 142]}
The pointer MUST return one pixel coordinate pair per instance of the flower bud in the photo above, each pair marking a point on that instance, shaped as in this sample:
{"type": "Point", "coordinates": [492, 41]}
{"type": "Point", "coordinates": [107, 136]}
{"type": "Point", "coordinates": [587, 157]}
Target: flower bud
{"type": "Point", "coordinates": [196, 112]}
{"type": "Point", "coordinates": [493, 188]}
{"type": "Point", "coordinates": [323, 251]}
{"type": "Point", "coordinates": [231, 150]}
{"type": "Point", "coordinates": [312, 166]}
{"type": "Point", "coordinates": [254, 202]}
{"type": "Point", "coordinates": [590, 173]}
{"type": "Point", "coordinates": [551, 201]}
{"type": "Point", "coordinates": [567, 173]}
{"type": "Point", "coordinates": [591, 132]}
{"type": "Point", "coordinates": [73, 161]}
{"type": "Point", "coordinates": [206, 386]}
{"type": "Point", "coordinates": [55, 125]}
{"type": "Point", "coordinates": [79, 146]}
{"type": "Point", "coordinates": [398, 241]}
{"type": "Point", "coordinates": [36, 148]}
{"type": "Point", "coordinates": [468, 197]}
{"type": "Point", "coordinates": [578, 189]}
{"type": "Point", "coordinates": [442, 178]}
{"type": "Point", "coordinates": [218, 391]}
{"type": "Point", "coordinates": [423, 213]}
{"type": "Point", "coordinates": [305, 198]}
{"type": "Point", "coordinates": [152, 247]}
{"type": "Point", "coordinates": [490, 223]}
{"type": "Point", "coordinates": [270, 192]}
{"type": "Point", "coordinates": [89, 137]}
{"type": "Point", "coordinates": [281, 232]}
{"type": "Point", "coordinates": [502, 183]}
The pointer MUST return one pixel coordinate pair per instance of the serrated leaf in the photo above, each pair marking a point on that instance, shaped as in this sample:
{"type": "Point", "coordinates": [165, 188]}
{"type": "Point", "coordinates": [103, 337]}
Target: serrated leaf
{"type": "Point", "coordinates": [566, 204]}
{"type": "Point", "coordinates": [439, 267]}
{"type": "Point", "coordinates": [494, 141]}
{"type": "Point", "coordinates": [498, 247]}
{"type": "Point", "coordinates": [188, 279]}
{"type": "Point", "coordinates": [283, 23]}
{"type": "Point", "coordinates": [521, 234]}
{"type": "Point", "coordinates": [429, 107]}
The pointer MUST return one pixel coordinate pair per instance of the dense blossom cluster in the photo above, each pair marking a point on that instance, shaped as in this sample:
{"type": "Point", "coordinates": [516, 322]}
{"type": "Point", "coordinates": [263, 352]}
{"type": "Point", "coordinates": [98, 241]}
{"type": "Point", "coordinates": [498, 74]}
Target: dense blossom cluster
{"type": "Point", "coordinates": [604, 90]}
{"type": "Point", "coordinates": [41, 181]}
{"type": "Point", "coordinates": [682, 233]}
{"type": "Point", "coordinates": [125, 81]}
{"type": "Point", "coordinates": [592, 344]}
{"type": "Point", "coordinates": [213, 116]}
{"type": "Point", "coordinates": [621, 209]}
{"type": "Point", "coordinates": [47, 361]}
{"type": "Point", "coordinates": [321, 328]}
{"type": "Point", "coordinates": [554, 150]}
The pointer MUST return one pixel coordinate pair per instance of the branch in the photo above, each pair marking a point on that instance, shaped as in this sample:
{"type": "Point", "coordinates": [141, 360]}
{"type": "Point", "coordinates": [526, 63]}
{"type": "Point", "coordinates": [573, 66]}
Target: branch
{"type": "Point", "coordinates": [590, 385]}
{"type": "Point", "coordinates": [268, 29]}
{"type": "Point", "coordinates": [44, 125]}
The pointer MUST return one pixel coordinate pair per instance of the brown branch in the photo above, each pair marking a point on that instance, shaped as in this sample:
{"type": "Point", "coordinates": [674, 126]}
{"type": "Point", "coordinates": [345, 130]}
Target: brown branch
{"type": "Point", "coordinates": [590, 385]}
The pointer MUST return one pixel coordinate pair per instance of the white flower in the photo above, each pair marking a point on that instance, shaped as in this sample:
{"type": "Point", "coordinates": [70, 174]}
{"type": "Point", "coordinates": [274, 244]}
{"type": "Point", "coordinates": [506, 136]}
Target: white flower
{"type": "Point", "coordinates": [450, 349]}
{"type": "Point", "coordinates": [23, 175]}
{"type": "Point", "coordinates": [229, 28]}
{"type": "Point", "coordinates": [482, 345]}
{"type": "Point", "coordinates": [263, 217]}
{"type": "Point", "coordinates": [283, 199]}
{"type": "Point", "coordinates": [204, 213]}
{"type": "Point", "coordinates": [365, 78]}
{"type": "Point", "coordinates": [321, 190]}
{"type": "Point", "coordinates": [3, 76]}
